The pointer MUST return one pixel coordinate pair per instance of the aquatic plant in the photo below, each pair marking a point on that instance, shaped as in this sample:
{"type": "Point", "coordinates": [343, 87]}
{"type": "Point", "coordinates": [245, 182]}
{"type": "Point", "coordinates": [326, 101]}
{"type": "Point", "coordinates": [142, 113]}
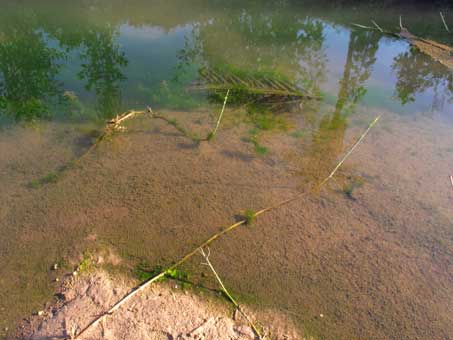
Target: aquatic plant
{"type": "Point", "coordinates": [253, 139]}
{"type": "Point", "coordinates": [192, 135]}
{"type": "Point", "coordinates": [349, 188]}
{"type": "Point", "coordinates": [260, 149]}
{"type": "Point", "coordinates": [144, 272]}
{"type": "Point", "coordinates": [86, 265]}
{"type": "Point", "coordinates": [262, 119]}
{"type": "Point", "coordinates": [249, 216]}
{"type": "Point", "coordinates": [297, 134]}
{"type": "Point", "coordinates": [51, 177]}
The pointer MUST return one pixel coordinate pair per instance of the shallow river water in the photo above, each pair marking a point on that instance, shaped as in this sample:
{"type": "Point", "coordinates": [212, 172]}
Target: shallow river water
{"type": "Point", "coordinates": [367, 256]}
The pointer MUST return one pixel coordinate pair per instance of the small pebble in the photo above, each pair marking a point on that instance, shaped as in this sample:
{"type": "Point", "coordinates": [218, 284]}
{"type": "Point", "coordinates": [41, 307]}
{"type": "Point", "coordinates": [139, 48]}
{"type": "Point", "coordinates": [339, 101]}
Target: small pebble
{"type": "Point", "coordinates": [55, 266]}
{"type": "Point", "coordinates": [321, 315]}
{"type": "Point", "coordinates": [74, 274]}
{"type": "Point", "coordinates": [57, 279]}
{"type": "Point", "coordinates": [41, 313]}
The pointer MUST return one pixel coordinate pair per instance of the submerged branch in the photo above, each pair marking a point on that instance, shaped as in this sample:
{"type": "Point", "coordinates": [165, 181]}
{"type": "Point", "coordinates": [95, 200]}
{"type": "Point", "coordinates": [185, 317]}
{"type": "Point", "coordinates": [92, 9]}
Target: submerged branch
{"type": "Point", "coordinates": [206, 243]}
{"type": "Point", "coordinates": [445, 23]}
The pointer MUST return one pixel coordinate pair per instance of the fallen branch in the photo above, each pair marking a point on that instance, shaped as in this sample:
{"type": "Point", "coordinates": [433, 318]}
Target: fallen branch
{"type": "Point", "coordinates": [230, 297]}
{"type": "Point", "coordinates": [206, 243]}
{"type": "Point", "coordinates": [437, 51]}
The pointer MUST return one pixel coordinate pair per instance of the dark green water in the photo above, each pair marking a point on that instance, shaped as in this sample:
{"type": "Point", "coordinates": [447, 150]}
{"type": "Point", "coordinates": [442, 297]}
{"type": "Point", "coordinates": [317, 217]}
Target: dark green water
{"type": "Point", "coordinates": [72, 65]}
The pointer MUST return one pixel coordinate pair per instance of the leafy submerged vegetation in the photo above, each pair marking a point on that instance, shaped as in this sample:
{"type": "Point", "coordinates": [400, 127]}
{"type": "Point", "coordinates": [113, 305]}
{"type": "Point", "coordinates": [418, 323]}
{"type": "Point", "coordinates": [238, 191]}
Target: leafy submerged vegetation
{"type": "Point", "coordinates": [51, 177]}
{"type": "Point", "coordinates": [249, 216]}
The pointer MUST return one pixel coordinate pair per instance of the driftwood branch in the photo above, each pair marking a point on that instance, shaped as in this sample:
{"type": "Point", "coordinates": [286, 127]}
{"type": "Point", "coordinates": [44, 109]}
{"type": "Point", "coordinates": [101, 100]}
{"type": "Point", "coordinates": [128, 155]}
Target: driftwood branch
{"type": "Point", "coordinates": [440, 52]}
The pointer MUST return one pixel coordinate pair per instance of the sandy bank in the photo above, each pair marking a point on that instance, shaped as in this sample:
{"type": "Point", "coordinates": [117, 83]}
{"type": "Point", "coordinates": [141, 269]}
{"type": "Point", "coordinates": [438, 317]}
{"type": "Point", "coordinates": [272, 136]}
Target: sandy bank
{"type": "Point", "coordinates": [163, 312]}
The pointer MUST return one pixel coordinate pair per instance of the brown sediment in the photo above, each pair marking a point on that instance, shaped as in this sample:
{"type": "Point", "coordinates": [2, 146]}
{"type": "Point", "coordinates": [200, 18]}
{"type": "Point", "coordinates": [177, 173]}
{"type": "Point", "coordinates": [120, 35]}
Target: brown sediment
{"type": "Point", "coordinates": [376, 266]}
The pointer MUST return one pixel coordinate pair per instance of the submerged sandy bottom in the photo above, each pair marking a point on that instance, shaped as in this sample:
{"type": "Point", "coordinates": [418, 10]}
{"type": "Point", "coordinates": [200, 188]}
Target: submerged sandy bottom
{"type": "Point", "coordinates": [374, 265]}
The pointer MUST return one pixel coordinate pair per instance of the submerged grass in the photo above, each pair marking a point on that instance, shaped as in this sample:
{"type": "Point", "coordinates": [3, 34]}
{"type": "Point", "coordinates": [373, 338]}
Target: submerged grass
{"type": "Point", "coordinates": [297, 134]}
{"type": "Point", "coordinates": [145, 272]}
{"type": "Point", "coordinates": [254, 140]}
{"type": "Point", "coordinates": [349, 187]}
{"type": "Point", "coordinates": [249, 216]}
{"type": "Point", "coordinates": [51, 177]}
{"type": "Point", "coordinates": [87, 264]}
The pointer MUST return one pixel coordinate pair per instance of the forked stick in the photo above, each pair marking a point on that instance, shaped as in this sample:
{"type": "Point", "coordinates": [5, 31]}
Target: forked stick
{"type": "Point", "coordinates": [209, 264]}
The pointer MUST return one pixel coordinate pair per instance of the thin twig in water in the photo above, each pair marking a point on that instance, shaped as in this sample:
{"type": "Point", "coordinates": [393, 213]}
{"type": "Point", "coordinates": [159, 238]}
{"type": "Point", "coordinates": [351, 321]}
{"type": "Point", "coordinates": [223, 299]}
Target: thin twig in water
{"type": "Point", "coordinates": [221, 114]}
{"type": "Point", "coordinates": [378, 27]}
{"type": "Point", "coordinates": [445, 23]}
{"type": "Point", "coordinates": [352, 149]}
{"type": "Point", "coordinates": [236, 305]}
{"type": "Point", "coordinates": [206, 243]}
{"type": "Point", "coordinates": [362, 26]}
{"type": "Point", "coordinates": [451, 180]}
